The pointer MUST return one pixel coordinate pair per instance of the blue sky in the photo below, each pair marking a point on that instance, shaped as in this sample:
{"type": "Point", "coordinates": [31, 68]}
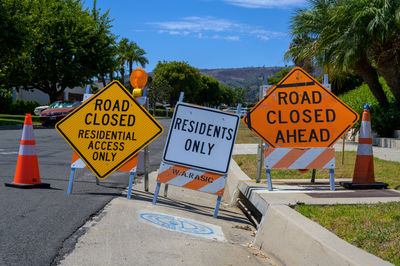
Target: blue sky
{"type": "Point", "coordinates": [206, 33]}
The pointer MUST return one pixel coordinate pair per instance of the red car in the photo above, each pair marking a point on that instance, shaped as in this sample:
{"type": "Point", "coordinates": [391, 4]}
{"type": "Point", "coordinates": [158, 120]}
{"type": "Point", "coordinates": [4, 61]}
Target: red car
{"type": "Point", "coordinates": [57, 111]}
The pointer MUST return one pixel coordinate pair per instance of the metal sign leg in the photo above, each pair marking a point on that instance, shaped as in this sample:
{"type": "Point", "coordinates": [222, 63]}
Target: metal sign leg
{"type": "Point", "coordinates": [332, 178]}
{"type": "Point", "coordinates": [268, 172]}
{"type": "Point", "coordinates": [217, 207]}
{"type": "Point", "coordinates": [156, 193]}
{"type": "Point", "coordinates": [146, 169]}
{"type": "Point", "coordinates": [131, 179]}
{"type": "Point", "coordinates": [71, 181]}
{"type": "Point", "coordinates": [314, 172]}
{"type": "Point", "coordinates": [166, 190]}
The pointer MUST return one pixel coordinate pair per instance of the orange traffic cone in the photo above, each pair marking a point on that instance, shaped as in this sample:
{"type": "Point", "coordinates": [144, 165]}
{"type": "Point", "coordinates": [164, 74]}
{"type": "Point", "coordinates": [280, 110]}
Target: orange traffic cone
{"type": "Point", "coordinates": [364, 176]}
{"type": "Point", "coordinates": [27, 173]}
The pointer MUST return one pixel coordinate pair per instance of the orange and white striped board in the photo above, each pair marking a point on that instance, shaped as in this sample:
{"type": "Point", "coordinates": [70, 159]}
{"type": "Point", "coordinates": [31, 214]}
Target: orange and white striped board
{"type": "Point", "coordinates": [299, 158]}
{"type": "Point", "coordinates": [129, 166]}
{"type": "Point", "coordinates": [186, 177]}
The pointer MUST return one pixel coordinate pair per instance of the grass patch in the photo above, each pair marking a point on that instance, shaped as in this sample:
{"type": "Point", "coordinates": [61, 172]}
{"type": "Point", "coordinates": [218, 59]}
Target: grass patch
{"type": "Point", "coordinates": [245, 135]}
{"type": "Point", "coordinates": [385, 171]}
{"type": "Point", "coordinates": [374, 228]}
{"type": "Point", "coordinates": [6, 120]}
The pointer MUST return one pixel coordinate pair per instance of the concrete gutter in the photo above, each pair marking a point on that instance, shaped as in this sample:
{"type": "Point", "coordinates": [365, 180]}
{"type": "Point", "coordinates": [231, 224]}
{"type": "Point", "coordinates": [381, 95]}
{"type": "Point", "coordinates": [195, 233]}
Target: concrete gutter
{"type": "Point", "coordinates": [290, 237]}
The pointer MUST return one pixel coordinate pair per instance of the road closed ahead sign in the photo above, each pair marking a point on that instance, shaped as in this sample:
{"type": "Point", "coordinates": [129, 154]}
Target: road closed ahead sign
{"type": "Point", "coordinates": [108, 129]}
{"type": "Point", "coordinates": [300, 112]}
{"type": "Point", "coordinates": [201, 138]}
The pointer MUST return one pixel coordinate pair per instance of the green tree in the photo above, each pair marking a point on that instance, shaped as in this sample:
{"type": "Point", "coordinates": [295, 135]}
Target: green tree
{"type": "Point", "coordinates": [238, 96]}
{"type": "Point", "coordinates": [273, 80]}
{"type": "Point", "coordinates": [105, 48]}
{"type": "Point", "coordinates": [14, 29]}
{"type": "Point", "coordinates": [157, 92]}
{"type": "Point", "coordinates": [227, 95]}
{"type": "Point", "coordinates": [128, 53]}
{"type": "Point", "coordinates": [356, 35]}
{"type": "Point", "coordinates": [180, 76]}
{"type": "Point", "coordinates": [210, 93]}
{"type": "Point", "coordinates": [65, 47]}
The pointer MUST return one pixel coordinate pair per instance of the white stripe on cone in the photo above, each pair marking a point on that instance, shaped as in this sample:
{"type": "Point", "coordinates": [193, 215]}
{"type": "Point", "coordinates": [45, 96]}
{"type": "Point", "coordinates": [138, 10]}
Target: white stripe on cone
{"type": "Point", "coordinates": [364, 149]}
{"type": "Point", "coordinates": [27, 133]}
{"type": "Point", "coordinates": [27, 150]}
{"type": "Point", "coordinates": [365, 130]}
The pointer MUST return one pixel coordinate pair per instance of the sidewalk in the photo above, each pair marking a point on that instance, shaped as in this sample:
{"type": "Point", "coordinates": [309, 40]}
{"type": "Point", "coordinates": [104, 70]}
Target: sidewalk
{"type": "Point", "coordinates": [178, 230]}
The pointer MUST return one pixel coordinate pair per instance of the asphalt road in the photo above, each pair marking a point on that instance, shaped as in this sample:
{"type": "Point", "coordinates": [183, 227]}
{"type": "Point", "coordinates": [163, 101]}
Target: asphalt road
{"type": "Point", "coordinates": [36, 224]}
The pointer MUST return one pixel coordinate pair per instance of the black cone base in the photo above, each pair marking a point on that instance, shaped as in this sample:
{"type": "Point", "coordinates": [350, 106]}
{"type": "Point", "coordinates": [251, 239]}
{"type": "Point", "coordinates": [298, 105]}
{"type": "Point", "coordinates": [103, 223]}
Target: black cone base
{"type": "Point", "coordinates": [41, 185]}
{"type": "Point", "coordinates": [376, 185]}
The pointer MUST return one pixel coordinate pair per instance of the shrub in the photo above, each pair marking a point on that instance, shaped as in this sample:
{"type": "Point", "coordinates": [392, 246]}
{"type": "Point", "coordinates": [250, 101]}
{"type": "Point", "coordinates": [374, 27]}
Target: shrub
{"type": "Point", "coordinates": [20, 107]}
{"type": "Point", "coordinates": [383, 121]}
{"type": "Point", "coordinates": [162, 112]}
{"type": "Point", "coordinates": [5, 101]}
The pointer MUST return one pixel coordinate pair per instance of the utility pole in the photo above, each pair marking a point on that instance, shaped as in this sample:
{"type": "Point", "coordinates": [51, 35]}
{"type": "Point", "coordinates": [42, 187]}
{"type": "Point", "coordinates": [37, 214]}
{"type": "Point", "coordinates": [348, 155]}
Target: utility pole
{"type": "Point", "coordinates": [260, 142]}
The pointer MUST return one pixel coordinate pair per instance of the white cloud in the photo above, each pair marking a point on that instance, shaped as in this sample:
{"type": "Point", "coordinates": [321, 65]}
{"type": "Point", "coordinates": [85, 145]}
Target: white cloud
{"type": "Point", "coordinates": [266, 3]}
{"type": "Point", "coordinates": [267, 35]}
{"type": "Point", "coordinates": [214, 28]}
{"type": "Point", "coordinates": [197, 24]}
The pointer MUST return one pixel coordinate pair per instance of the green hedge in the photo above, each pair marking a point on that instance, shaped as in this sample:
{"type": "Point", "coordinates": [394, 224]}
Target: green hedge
{"type": "Point", "coordinates": [383, 121]}
{"type": "Point", "coordinates": [19, 107]}
{"type": "Point", "coordinates": [162, 112]}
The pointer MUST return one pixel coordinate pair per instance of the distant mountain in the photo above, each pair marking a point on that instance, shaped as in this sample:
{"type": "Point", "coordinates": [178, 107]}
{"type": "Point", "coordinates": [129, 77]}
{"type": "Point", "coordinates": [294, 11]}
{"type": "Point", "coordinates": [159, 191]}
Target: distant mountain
{"type": "Point", "coordinates": [248, 77]}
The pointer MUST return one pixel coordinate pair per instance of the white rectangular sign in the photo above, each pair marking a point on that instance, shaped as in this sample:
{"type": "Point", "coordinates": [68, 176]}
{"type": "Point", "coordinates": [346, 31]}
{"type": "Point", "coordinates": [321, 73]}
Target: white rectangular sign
{"type": "Point", "coordinates": [201, 138]}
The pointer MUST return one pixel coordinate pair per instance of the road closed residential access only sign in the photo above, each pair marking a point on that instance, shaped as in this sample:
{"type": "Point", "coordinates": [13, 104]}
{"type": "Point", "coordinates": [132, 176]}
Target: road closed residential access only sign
{"type": "Point", "coordinates": [109, 129]}
{"type": "Point", "coordinates": [201, 138]}
{"type": "Point", "coordinates": [299, 112]}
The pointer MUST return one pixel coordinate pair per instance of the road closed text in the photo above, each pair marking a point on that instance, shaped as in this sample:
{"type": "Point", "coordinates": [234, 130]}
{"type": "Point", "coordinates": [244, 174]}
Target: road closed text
{"type": "Point", "coordinates": [108, 114]}
{"type": "Point", "coordinates": [291, 111]}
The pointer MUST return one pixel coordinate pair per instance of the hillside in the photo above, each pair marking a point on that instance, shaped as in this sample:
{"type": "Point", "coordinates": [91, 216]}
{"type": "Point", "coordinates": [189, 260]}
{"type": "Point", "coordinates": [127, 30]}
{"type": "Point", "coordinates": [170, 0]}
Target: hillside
{"type": "Point", "coordinates": [249, 77]}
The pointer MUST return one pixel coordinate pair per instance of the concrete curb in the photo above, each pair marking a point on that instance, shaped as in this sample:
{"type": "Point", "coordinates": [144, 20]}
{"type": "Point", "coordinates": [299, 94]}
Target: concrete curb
{"type": "Point", "coordinates": [17, 127]}
{"type": "Point", "coordinates": [300, 241]}
{"type": "Point", "coordinates": [235, 176]}
{"type": "Point", "coordinates": [292, 238]}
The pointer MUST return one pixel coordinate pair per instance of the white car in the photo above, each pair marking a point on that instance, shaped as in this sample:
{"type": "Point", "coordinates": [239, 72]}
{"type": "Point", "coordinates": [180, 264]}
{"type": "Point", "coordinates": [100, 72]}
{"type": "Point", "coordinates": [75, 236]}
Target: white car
{"type": "Point", "coordinates": [243, 112]}
{"type": "Point", "coordinates": [39, 109]}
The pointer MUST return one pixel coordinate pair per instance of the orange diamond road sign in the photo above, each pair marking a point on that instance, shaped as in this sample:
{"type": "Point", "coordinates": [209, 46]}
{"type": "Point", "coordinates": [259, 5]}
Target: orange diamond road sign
{"type": "Point", "coordinates": [109, 129]}
{"type": "Point", "coordinates": [300, 112]}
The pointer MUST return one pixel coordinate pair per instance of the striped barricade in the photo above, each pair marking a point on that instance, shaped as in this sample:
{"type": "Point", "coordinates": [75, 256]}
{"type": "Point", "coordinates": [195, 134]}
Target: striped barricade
{"type": "Point", "coordinates": [130, 166]}
{"type": "Point", "coordinates": [191, 178]}
{"type": "Point", "coordinates": [300, 158]}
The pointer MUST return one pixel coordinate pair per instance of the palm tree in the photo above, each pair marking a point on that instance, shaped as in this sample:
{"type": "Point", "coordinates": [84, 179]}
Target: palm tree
{"type": "Point", "coordinates": [135, 54]}
{"type": "Point", "coordinates": [128, 53]}
{"type": "Point", "coordinates": [121, 57]}
{"type": "Point", "coordinates": [381, 21]}
{"type": "Point", "coordinates": [334, 41]}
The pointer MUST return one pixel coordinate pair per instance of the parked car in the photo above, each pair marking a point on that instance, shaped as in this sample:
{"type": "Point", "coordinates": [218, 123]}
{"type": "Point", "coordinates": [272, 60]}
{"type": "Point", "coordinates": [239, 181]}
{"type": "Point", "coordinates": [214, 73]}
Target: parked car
{"type": "Point", "coordinates": [39, 109]}
{"type": "Point", "coordinates": [243, 112]}
{"type": "Point", "coordinates": [57, 111]}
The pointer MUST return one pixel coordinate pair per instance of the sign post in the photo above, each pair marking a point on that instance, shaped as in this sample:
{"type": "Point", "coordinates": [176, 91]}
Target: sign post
{"type": "Point", "coordinates": [297, 115]}
{"type": "Point", "coordinates": [109, 129]}
{"type": "Point", "coordinates": [198, 150]}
